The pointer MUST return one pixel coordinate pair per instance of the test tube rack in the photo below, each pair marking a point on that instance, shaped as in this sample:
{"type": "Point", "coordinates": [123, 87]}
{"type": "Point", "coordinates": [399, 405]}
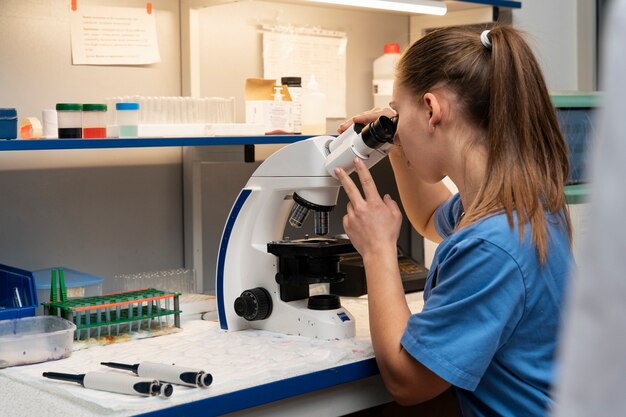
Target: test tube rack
{"type": "Point", "coordinates": [118, 313]}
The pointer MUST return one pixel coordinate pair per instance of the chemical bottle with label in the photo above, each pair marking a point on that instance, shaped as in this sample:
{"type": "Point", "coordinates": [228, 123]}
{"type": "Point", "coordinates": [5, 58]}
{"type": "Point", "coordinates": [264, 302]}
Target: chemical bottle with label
{"type": "Point", "coordinates": [280, 113]}
{"type": "Point", "coordinates": [313, 109]}
{"type": "Point", "coordinates": [384, 72]}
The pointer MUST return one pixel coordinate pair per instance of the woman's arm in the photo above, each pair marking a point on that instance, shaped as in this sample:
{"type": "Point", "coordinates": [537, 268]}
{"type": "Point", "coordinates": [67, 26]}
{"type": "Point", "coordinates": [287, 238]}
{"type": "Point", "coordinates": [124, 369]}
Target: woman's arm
{"type": "Point", "coordinates": [373, 225]}
{"type": "Point", "coordinates": [419, 199]}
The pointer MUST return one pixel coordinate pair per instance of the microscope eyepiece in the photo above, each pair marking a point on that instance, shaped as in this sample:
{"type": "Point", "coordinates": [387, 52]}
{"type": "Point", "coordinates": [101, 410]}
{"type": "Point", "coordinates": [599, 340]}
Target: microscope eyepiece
{"type": "Point", "coordinates": [379, 132]}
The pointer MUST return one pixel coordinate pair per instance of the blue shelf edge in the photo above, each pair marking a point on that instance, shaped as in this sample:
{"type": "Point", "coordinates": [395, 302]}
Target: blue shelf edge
{"type": "Point", "coordinates": [273, 391]}
{"type": "Point", "coordinates": [51, 144]}
{"type": "Point", "coordinates": [501, 3]}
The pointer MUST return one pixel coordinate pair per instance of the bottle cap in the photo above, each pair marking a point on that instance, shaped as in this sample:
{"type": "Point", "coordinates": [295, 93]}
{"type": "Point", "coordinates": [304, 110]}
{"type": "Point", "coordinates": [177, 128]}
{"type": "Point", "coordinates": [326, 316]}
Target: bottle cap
{"type": "Point", "coordinates": [291, 81]}
{"type": "Point", "coordinates": [127, 106]}
{"type": "Point", "coordinates": [69, 107]}
{"type": "Point", "coordinates": [392, 48]}
{"type": "Point", "coordinates": [94, 107]}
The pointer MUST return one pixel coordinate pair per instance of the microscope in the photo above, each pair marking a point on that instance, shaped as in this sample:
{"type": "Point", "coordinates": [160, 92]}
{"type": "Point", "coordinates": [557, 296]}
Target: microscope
{"type": "Point", "coordinates": [262, 281]}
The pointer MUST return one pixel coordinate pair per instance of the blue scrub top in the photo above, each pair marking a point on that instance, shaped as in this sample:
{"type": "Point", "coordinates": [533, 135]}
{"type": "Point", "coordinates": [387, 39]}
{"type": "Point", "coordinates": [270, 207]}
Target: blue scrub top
{"type": "Point", "coordinates": [491, 314]}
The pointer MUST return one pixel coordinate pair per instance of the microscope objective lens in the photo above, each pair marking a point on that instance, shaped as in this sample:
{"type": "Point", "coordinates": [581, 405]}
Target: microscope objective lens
{"type": "Point", "coordinates": [321, 222]}
{"type": "Point", "coordinates": [298, 215]}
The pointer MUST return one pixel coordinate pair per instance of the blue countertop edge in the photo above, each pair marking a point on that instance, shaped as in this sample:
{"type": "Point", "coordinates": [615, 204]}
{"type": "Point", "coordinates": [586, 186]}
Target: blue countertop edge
{"type": "Point", "coordinates": [273, 391]}
{"type": "Point", "coordinates": [51, 144]}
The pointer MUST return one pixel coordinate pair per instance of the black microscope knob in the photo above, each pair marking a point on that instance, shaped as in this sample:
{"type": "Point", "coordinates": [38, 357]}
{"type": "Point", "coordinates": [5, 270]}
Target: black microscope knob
{"type": "Point", "coordinates": [254, 304]}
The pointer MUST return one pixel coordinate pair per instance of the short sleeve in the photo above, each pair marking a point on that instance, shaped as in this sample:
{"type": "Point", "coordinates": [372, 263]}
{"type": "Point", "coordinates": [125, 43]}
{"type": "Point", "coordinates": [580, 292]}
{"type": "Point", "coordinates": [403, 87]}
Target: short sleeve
{"type": "Point", "coordinates": [447, 215]}
{"type": "Point", "coordinates": [477, 303]}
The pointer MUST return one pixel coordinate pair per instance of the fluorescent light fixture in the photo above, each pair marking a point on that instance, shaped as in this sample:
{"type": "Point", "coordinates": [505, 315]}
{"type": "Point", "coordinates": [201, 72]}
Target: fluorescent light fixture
{"type": "Point", "coordinates": [438, 8]}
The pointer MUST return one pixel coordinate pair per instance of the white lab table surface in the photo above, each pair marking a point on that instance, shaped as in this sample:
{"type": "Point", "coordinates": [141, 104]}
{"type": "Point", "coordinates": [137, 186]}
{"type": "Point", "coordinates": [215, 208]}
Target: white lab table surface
{"type": "Point", "coordinates": [254, 372]}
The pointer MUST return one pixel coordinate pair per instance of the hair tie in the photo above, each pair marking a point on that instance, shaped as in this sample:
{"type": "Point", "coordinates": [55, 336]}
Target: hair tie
{"type": "Point", "coordinates": [484, 39]}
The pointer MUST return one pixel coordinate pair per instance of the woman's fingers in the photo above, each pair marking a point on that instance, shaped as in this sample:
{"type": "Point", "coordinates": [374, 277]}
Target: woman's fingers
{"type": "Point", "coordinates": [349, 186]}
{"type": "Point", "coordinates": [367, 182]}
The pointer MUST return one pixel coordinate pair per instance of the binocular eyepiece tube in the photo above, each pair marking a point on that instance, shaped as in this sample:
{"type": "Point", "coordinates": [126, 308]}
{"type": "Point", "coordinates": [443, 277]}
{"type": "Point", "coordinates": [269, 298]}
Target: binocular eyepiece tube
{"type": "Point", "coordinates": [378, 132]}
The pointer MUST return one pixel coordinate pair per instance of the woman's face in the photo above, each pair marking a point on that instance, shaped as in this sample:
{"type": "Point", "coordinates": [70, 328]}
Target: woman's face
{"type": "Point", "coordinates": [414, 136]}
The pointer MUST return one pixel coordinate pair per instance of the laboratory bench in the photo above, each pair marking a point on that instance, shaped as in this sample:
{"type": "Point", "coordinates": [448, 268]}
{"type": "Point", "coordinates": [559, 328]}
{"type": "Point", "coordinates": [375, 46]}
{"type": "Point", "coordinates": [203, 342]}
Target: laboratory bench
{"type": "Point", "coordinates": [255, 373]}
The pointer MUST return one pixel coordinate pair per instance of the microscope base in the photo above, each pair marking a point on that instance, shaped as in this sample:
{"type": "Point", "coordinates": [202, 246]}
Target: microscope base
{"type": "Point", "coordinates": [295, 318]}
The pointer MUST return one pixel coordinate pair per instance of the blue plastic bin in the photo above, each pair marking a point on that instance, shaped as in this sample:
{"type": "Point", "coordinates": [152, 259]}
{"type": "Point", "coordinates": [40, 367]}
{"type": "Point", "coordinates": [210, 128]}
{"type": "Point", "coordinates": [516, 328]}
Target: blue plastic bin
{"type": "Point", "coordinates": [8, 124]}
{"type": "Point", "coordinates": [77, 283]}
{"type": "Point", "coordinates": [18, 297]}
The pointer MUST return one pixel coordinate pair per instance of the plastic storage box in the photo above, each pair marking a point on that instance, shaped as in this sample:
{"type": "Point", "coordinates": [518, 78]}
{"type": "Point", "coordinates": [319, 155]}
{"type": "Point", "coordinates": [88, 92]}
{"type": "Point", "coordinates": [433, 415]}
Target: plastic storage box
{"type": "Point", "coordinates": [78, 284]}
{"type": "Point", "coordinates": [8, 124]}
{"type": "Point", "coordinates": [18, 297]}
{"type": "Point", "coordinates": [35, 339]}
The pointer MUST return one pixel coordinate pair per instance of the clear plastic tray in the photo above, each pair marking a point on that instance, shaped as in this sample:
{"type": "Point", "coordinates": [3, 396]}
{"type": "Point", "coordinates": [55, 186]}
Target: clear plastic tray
{"type": "Point", "coordinates": [35, 339]}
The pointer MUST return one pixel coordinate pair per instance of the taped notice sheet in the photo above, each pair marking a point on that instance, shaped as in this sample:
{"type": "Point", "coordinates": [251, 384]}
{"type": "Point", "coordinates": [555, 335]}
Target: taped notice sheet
{"type": "Point", "coordinates": [113, 36]}
{"type": "Point", "coordinates": [302, 52]}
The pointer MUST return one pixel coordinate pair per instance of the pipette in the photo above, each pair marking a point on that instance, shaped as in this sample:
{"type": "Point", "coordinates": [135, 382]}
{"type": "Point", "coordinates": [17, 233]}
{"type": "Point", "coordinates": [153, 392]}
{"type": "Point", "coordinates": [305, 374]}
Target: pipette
{"type": "Point", "coordinates": [169, 373]}
{"type": "Point", "coordinates": [112, 382]}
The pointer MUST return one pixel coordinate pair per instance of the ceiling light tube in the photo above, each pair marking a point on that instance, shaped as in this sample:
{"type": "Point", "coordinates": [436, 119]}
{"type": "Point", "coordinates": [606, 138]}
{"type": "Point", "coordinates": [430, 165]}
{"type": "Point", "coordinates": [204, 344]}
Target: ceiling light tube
{"type": "Point", "coordinates": [438, 8]}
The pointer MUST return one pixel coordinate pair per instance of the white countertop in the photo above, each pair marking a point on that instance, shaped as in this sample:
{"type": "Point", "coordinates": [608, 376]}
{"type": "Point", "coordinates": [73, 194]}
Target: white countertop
{"type": "Point", "coordinates": [238, 361]}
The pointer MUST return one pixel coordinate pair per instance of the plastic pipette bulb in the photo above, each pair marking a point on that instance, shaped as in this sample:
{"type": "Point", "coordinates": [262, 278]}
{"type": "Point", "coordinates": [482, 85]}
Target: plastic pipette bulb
{"type": "Point", "coordinates": [122, 384]}
{"type": "Point", "coordinates": [179, 375]}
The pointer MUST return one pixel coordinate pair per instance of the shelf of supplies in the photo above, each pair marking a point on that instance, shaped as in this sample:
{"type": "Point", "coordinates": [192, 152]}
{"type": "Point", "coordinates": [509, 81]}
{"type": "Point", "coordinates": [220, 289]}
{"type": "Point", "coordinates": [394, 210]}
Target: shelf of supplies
{"type": "Point", "coordinates": [50, 144]}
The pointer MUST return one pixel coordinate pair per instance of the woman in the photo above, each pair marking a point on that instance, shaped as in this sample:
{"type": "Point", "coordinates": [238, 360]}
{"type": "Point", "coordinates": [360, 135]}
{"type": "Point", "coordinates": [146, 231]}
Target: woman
{"type": "Point", "coordinates": [472, 106]}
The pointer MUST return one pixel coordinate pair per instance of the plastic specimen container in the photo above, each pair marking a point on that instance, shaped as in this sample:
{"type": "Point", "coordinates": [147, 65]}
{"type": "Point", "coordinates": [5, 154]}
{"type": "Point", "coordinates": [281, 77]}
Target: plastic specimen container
{"type": "Point", "coordinates": [17, 293]}
{"type": "Point", "coordinates": [94, 121]}
{"type": "Point", "coordinates": [8, 124]}
{"type": "Point", "coordinates": [35, 339]}
{"type": "Point", "coordinates": [127, 119]}
{"type": "Point", "coordinates": [69, 120]}
{"type": "Point", "coordinates": [78, 284]}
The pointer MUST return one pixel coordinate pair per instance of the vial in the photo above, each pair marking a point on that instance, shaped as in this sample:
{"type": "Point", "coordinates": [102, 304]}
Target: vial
{"type": "Point", "coordinates": [94, 121]}
{"type": "Point", "coordinates": [69, 120]}
{"type": "Point", "coordinates": [127, 119]}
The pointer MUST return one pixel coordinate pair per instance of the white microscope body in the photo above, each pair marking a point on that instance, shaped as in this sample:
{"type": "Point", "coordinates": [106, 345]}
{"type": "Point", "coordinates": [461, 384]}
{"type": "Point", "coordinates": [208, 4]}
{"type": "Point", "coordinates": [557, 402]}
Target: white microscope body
{"type": "Point", "coordinates": [247, 289]}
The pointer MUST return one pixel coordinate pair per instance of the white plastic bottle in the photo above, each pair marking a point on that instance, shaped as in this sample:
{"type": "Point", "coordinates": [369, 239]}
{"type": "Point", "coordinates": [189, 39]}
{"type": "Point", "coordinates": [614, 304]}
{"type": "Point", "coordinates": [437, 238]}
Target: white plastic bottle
{"type": "Point", "coordinates": [280, 113]}
{"type": "Point", "coordinates": [384, 72]}
{"type": "Point", "coordinates": [313, 109]}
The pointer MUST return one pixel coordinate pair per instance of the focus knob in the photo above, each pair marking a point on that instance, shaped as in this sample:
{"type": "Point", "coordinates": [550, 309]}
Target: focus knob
{"type": "Point", "coordinates": [254, 304]}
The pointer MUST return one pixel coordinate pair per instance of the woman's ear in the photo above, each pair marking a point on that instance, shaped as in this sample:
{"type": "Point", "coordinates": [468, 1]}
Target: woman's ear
{"type": "Point", "coordinates": [433, 105]}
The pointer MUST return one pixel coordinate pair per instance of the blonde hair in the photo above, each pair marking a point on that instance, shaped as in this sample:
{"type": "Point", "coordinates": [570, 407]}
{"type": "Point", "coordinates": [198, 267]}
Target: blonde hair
{"type": "Point", "coordinates": [501, 90]}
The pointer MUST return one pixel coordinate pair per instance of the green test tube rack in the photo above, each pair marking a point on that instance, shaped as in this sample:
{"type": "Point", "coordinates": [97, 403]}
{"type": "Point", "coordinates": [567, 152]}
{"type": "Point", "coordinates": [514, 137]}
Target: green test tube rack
{"type": "Point", "coordinates": [118, 313]}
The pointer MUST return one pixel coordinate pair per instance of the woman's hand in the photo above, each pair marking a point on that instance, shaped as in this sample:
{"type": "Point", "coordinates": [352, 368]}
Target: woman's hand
{"type": "Point", "coordinates": [372, 223]}
{"type": "Point", "coordinates": [366, 117]}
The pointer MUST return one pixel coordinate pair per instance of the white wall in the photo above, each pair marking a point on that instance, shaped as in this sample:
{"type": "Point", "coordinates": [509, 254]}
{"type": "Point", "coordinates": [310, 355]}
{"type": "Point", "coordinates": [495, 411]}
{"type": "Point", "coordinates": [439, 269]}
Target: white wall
{"type": "Point", "coordinates": [553, 37]}
{"type": "Point", "coordinates": [37, 70]}
{"type": "Point", "coordinates": [231, 45]}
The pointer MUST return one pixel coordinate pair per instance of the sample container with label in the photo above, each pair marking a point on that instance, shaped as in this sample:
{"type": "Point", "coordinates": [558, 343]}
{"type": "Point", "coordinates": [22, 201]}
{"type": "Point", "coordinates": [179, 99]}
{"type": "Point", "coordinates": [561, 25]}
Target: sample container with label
{"type": "Point", "coordinates": [69, 118]}
{"type": "Point", "coordinates": [294, 85]}
{"type": "Point", "coordinates": [94, 121]}
{"type": "Point", "coordinates": [127, 119]}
